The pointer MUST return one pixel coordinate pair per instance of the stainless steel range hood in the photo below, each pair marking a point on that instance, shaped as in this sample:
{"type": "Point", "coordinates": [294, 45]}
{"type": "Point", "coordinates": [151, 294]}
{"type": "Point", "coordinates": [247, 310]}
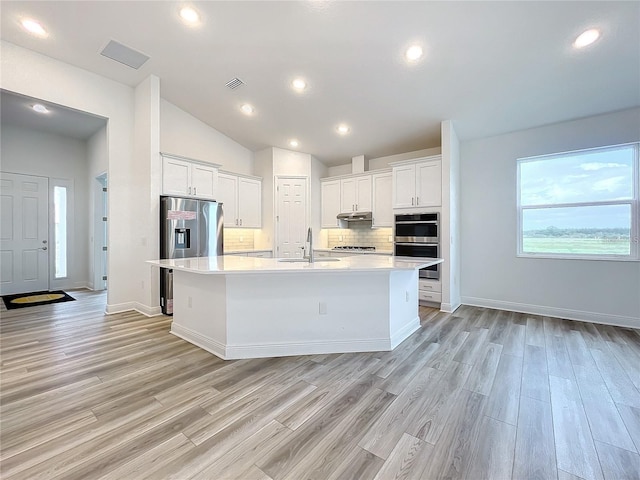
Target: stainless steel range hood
{"type": "Point", "coordinates": [356, 217]}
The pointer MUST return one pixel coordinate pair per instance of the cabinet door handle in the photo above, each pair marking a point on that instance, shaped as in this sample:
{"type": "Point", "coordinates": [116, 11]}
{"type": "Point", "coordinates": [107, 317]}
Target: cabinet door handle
{"type": "Point", "coordinates": [241, 222]}
{"type": "Point", "coordinates": [417, 200]}
{"type": "Point", "coordinates": [412, 200]}
{"type": "Point", "coordinates": [194, 190]}
{"type": "Point", "coordinates": [189, 190]}
{"type": "Point", "coordinates": [353, 207]}
{"type": "Point", "coordinates": [356, 207]}
{"type": "Point", "coordinates": [236, 221]}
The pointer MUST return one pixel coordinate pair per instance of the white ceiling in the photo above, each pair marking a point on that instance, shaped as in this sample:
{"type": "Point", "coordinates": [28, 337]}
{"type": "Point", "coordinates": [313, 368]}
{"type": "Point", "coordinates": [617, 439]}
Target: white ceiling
{"type": "Point", "coordinates": [17, 110]}
{"type": "Point", "coordinates": [491, 67]}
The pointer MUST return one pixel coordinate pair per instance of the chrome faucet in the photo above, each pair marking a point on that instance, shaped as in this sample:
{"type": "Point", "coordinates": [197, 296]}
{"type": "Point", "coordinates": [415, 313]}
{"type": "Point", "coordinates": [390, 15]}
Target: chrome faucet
{"type": "Point", "coordinates": [308, 256]}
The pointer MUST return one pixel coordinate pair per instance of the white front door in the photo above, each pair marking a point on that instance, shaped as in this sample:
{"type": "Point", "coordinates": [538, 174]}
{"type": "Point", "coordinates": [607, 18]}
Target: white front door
{"type": "Point", "coordinates": [24, 233]}
{"type": "Point", "coordinates": [291, 216]}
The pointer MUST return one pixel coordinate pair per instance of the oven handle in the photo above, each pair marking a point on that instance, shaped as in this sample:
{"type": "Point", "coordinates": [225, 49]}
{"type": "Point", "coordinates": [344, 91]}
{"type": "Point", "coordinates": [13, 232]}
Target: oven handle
{"type": "Point", "coordinates": [417, 244]}
{"type": "Point", "coordinates": [405, 222]}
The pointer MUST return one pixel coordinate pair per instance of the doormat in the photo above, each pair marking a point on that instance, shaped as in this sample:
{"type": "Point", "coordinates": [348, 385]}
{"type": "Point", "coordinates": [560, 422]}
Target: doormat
{"type": "Point", "coordinates": [33, 299]}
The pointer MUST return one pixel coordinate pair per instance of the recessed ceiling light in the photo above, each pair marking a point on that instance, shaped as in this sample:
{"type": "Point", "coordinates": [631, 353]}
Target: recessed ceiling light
{"type": "Point", "coordinates": [343, 129]}
{"type": "Point", "coordinates": [299, 84]}
{"type": "Point", "coordinates": [34, 27]}
{"type": "Point", "coordinates": [293, 142]}
{"type": "Point", "coordinates": [189, 15]}
{"type": "Point", "coordinates": [40, 108]}
{"type": "Point", "coordinates": [413, 53]}
{"type": "Point", "coordinates": [247, 109]}
{"type": "Point", "coordinates": [586, 38]}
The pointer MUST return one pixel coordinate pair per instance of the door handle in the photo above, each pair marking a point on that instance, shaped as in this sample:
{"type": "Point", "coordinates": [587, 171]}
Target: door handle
{"type": "Point", "coordinates": [412, 200]}
{"type": "Point", "coordinates": [240, 221]}
{"type": "Point", "coordinates": [194, 191]}
{"type": "Point", "coordinates": [44, 248]}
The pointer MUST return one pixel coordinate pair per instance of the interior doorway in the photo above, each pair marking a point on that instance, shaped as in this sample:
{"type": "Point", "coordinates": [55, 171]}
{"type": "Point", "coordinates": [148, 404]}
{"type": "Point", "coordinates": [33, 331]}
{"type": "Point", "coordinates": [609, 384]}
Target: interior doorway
{"type": "Point", "coordinates": [291, 216]}
{"type": "Point", "coordinates": [100, 233]}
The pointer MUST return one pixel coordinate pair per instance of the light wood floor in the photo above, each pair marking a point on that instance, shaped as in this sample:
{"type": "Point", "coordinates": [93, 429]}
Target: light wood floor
{"type": "Point", "coordinates": [478, 394]}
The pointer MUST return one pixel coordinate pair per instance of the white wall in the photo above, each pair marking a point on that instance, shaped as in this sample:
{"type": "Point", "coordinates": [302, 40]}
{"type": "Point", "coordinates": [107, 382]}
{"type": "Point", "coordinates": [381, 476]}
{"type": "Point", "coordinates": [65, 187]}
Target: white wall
{"type": "Point", "coordinates": [97, 164]}
{"type": "Point", "coordinates": [383, 162]}
{"type": "Point", "coordinates": [183, 134]}
{"type": "Point", "coordinates": [31, 152]}
{"type": "Point", "coordinates": [450, 218]}
{"type": "Point", "coordinates": [318, 170]}
{"type": "Point", "coordinates": [492, 275]}
{"type": "Point", "coordinates": [38, 76]}
{"type": "Point", "coordinates": [263, 167]}
{"type": "Point", "coordinates": [147, 165]}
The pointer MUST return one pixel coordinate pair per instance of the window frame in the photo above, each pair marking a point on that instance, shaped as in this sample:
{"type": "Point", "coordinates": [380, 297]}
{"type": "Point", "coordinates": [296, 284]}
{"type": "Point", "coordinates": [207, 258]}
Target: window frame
{"type": "Point", "coordinates": [634, 203]}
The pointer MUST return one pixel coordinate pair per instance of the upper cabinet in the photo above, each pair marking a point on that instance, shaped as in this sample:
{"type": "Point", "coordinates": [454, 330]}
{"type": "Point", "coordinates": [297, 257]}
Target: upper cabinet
{"type": "Point", "coordinates": [355, 194]}
{"type": "Point", "coordinates": [241, 199]}
{"type": "Point", "coordinates": [188, 178]}
{"type": "Point", "coordinates": [330, 203]}
{"type": "Point", "coordinates": [417, 183]}
{"type": "Point", "coordinates": [382, 207]}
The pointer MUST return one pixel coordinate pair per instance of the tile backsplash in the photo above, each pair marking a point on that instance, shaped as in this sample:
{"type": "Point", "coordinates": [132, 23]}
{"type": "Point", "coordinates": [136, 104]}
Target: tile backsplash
{"type": "Point", "coordinates": [361, 235]}
{"type": "Point", "coordinates": [237, 239]}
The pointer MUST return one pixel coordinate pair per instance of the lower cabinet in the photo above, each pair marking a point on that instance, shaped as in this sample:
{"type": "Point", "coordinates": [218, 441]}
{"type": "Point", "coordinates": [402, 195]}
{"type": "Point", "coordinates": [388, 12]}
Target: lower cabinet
{"type": "Point", "coordinates": [429, 290]}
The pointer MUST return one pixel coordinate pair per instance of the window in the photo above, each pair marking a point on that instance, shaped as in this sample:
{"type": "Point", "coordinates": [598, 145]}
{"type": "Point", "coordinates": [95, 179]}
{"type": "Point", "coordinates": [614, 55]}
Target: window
{"type": "Point", "coordinates": [581, 204]}
{"type": "Point", "coordinates": [60, 231]}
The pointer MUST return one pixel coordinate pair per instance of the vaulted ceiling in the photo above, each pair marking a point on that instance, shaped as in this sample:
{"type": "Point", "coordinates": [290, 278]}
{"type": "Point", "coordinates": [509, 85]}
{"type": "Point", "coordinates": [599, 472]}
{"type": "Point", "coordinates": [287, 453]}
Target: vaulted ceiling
{"type": "Point", "coordinates": [491, 67]}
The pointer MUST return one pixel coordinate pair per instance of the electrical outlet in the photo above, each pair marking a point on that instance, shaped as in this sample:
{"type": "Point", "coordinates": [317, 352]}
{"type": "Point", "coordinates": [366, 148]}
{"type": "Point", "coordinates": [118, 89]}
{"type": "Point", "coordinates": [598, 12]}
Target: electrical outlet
{"type": "Point", "coordinates": [322, 308]}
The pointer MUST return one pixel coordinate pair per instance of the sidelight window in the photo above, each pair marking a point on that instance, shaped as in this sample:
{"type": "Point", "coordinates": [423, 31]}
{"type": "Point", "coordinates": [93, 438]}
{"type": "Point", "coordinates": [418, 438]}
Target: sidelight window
{"type": "Point", "coordinates": [60, 231]}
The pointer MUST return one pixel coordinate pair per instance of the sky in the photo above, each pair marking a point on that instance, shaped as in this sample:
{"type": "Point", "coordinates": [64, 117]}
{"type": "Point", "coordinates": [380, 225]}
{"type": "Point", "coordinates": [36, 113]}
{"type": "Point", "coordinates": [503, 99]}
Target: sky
{"type": "Point", "coordinates": [602, 175]}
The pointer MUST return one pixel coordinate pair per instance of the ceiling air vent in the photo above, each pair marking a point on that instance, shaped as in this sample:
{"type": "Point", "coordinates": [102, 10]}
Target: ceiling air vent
{"type": "Point", "coordinates": [234, 83]}
{"type": "Point", "coordinates": [123, 54]}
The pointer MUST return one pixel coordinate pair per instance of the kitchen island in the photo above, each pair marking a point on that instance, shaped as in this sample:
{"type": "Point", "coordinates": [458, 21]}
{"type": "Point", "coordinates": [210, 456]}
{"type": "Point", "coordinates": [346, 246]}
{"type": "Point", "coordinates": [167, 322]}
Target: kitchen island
{"type": "Point", "coordinates": [246, 307]}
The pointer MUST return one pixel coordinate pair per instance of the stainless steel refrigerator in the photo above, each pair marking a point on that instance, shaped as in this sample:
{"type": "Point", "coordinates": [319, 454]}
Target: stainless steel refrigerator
{"type": "Point", "coordinates": [188, 228]}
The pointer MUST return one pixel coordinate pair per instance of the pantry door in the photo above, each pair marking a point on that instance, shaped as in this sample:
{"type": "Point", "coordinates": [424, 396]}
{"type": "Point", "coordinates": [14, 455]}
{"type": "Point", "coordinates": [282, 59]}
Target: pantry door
{"type": "Point", "coordinates": [24, 233]}
{"type": "Point", "coordinates": [291, 216]}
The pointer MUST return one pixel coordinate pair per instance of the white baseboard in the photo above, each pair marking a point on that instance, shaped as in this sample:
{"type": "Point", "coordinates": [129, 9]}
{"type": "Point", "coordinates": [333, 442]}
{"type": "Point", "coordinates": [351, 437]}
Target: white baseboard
{"type": "Point", "coordinates": [110, 309]}
{"type": "Point", "coordinates": [128, 306]}
{"type": "Point", "coordinates": [234, 352]}
{"type": "Point", "coordinates": [202, 341]}
{"type": "Point", "coordinates": [306, 348]}
{"type": "Point", "coordinates": [148, 311]}
{"type": "Point", "coordinates": [580, 315]}
{"type": "Point", "coordinates": [450, 308]}
{"type": "Point", "coordinates": [401, 335]}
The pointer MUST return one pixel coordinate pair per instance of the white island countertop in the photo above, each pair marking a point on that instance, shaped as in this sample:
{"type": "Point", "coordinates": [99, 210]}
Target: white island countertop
{"type": "Point", "coordinates": [226, 265]}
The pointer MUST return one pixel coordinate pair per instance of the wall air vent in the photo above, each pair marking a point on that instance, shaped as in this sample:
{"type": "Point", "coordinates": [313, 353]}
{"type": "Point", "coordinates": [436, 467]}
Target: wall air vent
{"type": "Point", "coordinates": [123, 54]}
{"type": "Point", "coordinates": [234, 83]}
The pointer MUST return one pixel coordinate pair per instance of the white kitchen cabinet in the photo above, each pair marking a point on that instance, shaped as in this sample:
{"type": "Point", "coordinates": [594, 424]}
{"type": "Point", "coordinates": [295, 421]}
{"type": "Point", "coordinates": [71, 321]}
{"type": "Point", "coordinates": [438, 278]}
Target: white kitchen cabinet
{"type": "Point", "coordinates": [186, 178]}
{"type": "Point", "coordinates": [429, 290]}
{"type": "Point", "coordinates": [355, 194]}
{"type": "Point", "coordinates": [417, 184]}
{"type": "Point", "coordinates": [382, 207]}
{"type": "Point", "coordinates": [241, 199]}
{"type": "Point", "coordinates": [249, 202]}
{"type": "Point", "coordinates": [330, 203]}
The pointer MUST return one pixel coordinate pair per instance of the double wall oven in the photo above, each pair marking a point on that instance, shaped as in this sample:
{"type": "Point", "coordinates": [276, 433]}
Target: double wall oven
{"type": "Point", "coordinates": [418, 235]}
